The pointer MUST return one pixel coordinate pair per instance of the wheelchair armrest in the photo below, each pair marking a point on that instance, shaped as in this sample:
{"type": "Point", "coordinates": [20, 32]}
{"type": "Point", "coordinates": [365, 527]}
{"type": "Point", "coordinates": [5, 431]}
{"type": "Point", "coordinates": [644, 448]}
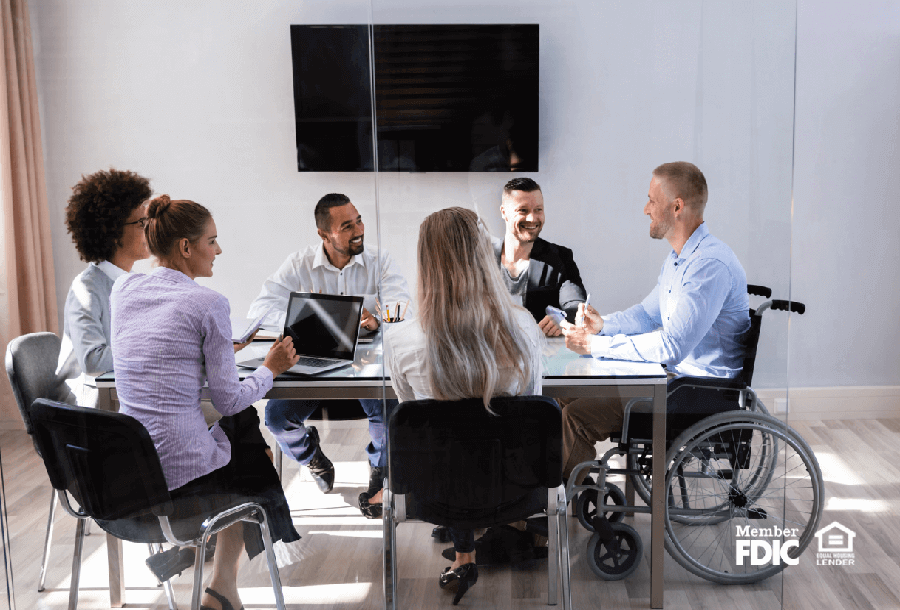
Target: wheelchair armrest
{"type": "Point", "coordinates": [635, 405]}
{"type": "Point", "coordinates": [714, 383]}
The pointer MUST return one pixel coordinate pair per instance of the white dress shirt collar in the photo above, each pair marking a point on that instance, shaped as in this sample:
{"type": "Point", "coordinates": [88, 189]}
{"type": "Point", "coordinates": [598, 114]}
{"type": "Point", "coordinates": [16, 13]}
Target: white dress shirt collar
{"type": "Point", "coordinates": [321, 259]}
{"type": "Point", "coordinates": [111, 271]}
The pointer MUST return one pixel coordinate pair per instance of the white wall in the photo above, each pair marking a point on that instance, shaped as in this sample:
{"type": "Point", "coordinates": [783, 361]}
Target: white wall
{"type": "Point", "coordinates": [198, 97]}
{"type": "Point", "coordinates": [846, 252]}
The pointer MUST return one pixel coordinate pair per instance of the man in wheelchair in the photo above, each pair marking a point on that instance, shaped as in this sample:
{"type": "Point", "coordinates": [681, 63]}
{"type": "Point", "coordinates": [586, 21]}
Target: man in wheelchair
{"type": "Point", "coordinates": [693, 321]}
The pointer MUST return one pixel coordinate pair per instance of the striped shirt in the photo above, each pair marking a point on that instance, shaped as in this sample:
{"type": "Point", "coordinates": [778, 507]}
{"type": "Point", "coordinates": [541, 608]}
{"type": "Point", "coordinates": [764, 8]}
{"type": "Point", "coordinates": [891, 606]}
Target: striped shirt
{"type": "Point", "coordinates": [169, 336]}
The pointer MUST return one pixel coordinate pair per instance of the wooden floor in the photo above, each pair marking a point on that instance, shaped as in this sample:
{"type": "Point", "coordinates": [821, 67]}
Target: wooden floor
{"type": "Point", "coordinates": [342, 563]}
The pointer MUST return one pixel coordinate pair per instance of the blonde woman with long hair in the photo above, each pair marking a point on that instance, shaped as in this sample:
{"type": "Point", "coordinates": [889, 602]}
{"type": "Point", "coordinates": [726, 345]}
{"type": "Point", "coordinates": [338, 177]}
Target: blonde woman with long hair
{"type": "Point", "coordinates": [470, 339]}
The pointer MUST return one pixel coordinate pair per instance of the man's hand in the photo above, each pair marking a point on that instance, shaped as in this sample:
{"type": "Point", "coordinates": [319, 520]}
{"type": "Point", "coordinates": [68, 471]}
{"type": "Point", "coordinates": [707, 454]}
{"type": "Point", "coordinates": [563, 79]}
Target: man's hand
{"type": "Point", "coordinates": [368, 321]}
{"type": "Point", "coordinates": [549, 327]}
{"type": "Point", "coordinates": [578, 339]}
{"type": "Point", "coordinates": [239, 346]}
{"type": "Point", "coordinates": [593, 323]}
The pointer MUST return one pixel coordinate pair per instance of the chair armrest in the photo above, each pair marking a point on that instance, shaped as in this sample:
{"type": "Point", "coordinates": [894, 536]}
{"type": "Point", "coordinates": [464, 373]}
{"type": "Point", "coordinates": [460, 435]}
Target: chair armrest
{"type": "Point", "coordinates": [214, 523]}
{"type": "Point", "coordinates": [715, 383]}
{"type": "Point", "coordinates": [67, 506]}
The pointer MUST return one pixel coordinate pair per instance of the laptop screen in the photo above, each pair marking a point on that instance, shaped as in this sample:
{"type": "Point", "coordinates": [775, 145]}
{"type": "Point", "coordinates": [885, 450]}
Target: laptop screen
{"type": "Point", "coordinates": [323, 325]}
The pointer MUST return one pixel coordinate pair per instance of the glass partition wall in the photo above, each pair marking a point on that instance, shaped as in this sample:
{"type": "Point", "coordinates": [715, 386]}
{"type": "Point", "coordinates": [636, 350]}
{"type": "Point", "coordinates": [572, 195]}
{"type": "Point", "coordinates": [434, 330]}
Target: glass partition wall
{"type": "Point", "coordinates": [623, 89]}
{"type": "Point", "coordinates": [203, 106]}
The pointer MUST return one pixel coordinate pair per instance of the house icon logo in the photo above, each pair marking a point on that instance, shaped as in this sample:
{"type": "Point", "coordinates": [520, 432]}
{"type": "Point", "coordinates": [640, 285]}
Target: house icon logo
{"type": "Point", "coordinates": [835, 538]}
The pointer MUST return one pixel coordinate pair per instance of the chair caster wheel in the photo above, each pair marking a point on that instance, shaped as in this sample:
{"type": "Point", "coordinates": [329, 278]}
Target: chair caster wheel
{"type": "Point", "coordinates": [618, 558]}
{"type": "Point", "coordinates": [586, 506]}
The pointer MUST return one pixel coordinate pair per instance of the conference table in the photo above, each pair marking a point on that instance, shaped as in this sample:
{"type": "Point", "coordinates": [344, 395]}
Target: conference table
{"type": "Point", "coordinates": [566, 375]}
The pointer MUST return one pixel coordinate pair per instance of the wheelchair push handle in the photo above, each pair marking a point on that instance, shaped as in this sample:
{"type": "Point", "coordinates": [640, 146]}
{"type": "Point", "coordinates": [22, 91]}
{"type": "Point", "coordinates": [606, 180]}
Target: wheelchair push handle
{"type": "Point", "coordinates": [759, 291]}
{"type": "Point", "coordinates": [794, 306]}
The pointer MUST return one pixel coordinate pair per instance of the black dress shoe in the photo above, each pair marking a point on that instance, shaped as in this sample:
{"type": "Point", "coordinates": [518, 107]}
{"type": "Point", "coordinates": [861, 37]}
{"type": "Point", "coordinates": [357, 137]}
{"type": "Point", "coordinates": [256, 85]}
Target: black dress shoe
{"type": "Point", "coordinates": [459, 579]}
{"type": "Point", "coordinates": [320, 467]}
{"type": "Point", "coordinates": [171, 562]}
{"type": "Point", "coordinates": [442, 534]}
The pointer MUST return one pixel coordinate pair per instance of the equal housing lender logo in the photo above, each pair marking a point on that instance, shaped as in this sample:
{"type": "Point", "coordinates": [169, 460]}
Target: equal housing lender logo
{"type": "Point", "coordinates": [835, 546]}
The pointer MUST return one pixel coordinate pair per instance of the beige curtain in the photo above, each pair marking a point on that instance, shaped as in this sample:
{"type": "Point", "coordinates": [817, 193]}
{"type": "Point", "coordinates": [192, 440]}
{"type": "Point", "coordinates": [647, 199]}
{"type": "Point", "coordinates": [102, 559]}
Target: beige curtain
{"type": "Point", "coordinates": [27, 289]}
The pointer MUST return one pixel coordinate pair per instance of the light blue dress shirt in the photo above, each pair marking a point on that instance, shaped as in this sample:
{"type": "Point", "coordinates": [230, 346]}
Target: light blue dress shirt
{"type": "Point", "coordinates": [85, 351]}
{"type": "Point", "coordinates": [694, 319]}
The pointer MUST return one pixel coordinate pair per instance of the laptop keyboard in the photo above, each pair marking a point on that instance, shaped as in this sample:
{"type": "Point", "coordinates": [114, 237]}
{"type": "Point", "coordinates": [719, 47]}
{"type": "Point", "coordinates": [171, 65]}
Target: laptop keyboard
{"type": "Point", "coordinates": [314, 362]}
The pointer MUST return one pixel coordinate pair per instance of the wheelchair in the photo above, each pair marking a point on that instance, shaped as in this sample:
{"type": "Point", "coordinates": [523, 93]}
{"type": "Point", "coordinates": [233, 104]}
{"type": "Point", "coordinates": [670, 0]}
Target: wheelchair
{"type": "Point", "coordinates": [744, 492]}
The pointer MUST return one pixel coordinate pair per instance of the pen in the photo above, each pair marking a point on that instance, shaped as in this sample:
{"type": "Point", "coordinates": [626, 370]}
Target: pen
{"type": "Point", "coordinates": [587, 301]}
{"type": "Point", "coordinates": [403, 317]}
{"type": "Point", "coordinates": [397, 317]}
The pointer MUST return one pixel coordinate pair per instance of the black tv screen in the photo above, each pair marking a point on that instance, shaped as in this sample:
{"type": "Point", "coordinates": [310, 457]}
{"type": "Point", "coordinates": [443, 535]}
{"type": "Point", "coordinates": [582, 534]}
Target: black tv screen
{"type": "Point", "coordinates": [448, 98]}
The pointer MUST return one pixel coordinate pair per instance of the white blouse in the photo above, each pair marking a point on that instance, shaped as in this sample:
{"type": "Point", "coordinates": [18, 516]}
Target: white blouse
{"type": "Point", "coordinates": [404, 356]}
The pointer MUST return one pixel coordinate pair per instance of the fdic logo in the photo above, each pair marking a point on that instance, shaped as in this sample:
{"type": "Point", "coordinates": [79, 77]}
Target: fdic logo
{"type": "Point", "coordinates": [835, 546]}
{"type": "Point", "coordinates": [764, 545]}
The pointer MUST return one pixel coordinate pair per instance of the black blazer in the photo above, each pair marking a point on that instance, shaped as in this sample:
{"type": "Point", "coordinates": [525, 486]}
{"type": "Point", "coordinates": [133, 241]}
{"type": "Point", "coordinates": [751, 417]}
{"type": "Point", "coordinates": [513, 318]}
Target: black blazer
{"type": "Point", "coordinates": [553, 279]}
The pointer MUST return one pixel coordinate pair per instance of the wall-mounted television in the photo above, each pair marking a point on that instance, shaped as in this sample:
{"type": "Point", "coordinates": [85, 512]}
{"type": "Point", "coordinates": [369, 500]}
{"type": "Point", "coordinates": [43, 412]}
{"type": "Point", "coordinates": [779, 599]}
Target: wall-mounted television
{"type": "Point", "coordinates": [448, 98]}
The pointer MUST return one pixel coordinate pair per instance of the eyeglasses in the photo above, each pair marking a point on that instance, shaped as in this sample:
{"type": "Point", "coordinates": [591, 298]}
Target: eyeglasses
{"type": "Point", "coordinates": [141, 222]}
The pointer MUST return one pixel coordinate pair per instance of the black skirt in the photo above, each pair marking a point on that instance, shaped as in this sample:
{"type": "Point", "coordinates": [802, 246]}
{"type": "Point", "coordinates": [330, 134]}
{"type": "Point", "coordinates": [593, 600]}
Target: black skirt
{"type": "Point", "coordinates": [248, 477]}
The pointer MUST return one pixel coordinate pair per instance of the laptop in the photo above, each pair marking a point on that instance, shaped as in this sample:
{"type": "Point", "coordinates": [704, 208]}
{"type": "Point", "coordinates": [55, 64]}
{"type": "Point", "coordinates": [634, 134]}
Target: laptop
{"type": "Point", "coordinates": [325, 329]}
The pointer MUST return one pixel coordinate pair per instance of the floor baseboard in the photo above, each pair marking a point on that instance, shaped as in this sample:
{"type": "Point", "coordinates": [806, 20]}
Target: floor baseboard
{"type": "Point", "coordinates": [837, 402]}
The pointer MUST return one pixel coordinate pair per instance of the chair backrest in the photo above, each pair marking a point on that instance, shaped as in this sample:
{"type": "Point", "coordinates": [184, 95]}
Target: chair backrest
{"type": "Point", "coordinates": [457, 454]}
{"type": "Point", "coordinates": [31, 368]}
{"type": "Point", "coordinates": [750, 341]}
{"type": "Point", "coordinates": [105, 460]}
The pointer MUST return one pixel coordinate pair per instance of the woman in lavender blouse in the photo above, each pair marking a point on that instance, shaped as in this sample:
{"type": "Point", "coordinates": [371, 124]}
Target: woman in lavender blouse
{"type": "Point", "coordinates": [169, 335]}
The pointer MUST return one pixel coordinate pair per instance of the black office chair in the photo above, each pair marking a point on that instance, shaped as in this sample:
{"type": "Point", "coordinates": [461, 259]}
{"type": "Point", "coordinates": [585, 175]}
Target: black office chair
{"type": "Point", "coordinates": [453, 463]}
{"type": "Point", "coordinates": [31, 368]}
{"type": "Point", "coordinates": [107, 462]}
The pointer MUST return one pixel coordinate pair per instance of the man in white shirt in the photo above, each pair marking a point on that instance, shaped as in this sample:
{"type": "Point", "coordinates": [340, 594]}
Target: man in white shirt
{"type": "Point", "coordinates": [341, 264]}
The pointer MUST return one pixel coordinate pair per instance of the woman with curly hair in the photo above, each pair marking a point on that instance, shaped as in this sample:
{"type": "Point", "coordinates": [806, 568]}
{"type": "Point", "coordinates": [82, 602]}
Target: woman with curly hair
{"type": "Point", "coordinates": [106, 216]}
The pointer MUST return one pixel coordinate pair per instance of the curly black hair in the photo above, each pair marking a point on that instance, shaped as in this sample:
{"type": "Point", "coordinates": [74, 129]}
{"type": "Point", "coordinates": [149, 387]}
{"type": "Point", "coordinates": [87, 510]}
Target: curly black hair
{"type": "Point", "coordinates": [98, 209]}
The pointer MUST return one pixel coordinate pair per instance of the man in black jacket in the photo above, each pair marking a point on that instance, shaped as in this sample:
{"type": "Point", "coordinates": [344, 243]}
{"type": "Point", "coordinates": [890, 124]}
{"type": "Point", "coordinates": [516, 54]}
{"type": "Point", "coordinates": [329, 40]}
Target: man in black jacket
{"type": "Point", "coordinates": [536, 272]}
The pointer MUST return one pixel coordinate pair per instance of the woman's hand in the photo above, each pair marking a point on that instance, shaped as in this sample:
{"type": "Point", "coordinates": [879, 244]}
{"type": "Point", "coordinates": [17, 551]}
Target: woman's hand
{"type": "Point", "coordinates": [281, 356]}
{"type": "Point", "coordinates": [239, 346]}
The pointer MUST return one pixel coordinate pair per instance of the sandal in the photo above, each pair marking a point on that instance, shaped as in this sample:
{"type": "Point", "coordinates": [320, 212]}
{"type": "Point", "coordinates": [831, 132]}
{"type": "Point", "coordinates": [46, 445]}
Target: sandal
{"type": "Point", "coordinates": [369, 511]}
{"type": "Point", "coordinates": [459, 580]}
{"type": "Point", "coordinates": [226, 605]}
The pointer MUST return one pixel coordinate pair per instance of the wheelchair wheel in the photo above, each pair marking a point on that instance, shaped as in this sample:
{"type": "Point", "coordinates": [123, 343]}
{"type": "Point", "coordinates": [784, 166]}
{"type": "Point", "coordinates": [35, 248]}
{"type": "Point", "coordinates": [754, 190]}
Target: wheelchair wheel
{"type": "Point", "coordinates": [586, 505]}
{"type": "Point", "coordinates": [753, 462]}
{"type": "Point", "coordinates": [619, 558]}
{"type": "Point", "coordinates": [642, 482]}
{"type": "Point", "coordinates": [725, 479]}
